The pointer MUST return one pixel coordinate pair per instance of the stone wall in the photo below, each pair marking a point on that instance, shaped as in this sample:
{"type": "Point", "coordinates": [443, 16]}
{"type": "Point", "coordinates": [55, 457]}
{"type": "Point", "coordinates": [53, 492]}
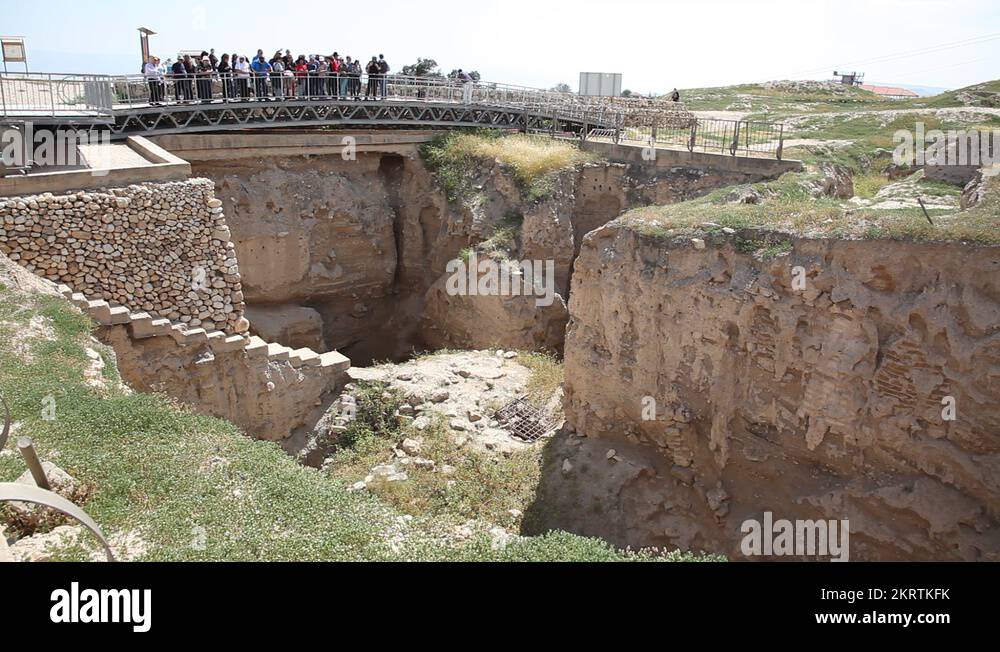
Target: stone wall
{"type": "Point", "coordinates": [161, 248]}
{"type": "Point", "coordinates": [730, 391]}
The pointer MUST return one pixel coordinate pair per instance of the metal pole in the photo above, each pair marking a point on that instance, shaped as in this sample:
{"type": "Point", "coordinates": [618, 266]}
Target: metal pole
{"type": "Point", "coordinates": [27, 449]}
{"type": "Point", "coordinates": [781, 139]}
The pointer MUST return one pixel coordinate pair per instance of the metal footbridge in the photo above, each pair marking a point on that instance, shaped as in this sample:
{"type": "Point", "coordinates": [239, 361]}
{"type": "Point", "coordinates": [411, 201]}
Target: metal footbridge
{"type": "Point", "coordinates": [129, 105]}
{"type": "Point", "coordinates": [134, 105]}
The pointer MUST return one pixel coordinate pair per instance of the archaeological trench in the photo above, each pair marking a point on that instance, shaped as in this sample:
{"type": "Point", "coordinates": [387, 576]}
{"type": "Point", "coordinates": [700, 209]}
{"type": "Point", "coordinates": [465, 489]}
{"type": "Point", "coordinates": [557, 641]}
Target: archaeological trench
{"type": "Point", "coordinates": [823, 402]}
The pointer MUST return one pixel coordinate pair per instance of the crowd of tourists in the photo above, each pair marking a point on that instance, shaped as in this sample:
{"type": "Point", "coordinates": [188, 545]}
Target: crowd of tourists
{"type": "Point", "coordinates": [279, 77]}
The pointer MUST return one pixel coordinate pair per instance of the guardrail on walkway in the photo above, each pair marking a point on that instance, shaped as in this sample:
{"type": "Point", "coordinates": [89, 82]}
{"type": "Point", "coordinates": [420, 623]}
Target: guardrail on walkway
{"type": "Point", "coordinates": [633, 120]}
{"type": "Point", "coordinates": [137, 91]}
{"type": "Point", "coordinates": [71, 97]}
{"type": "Point", "coordinates": [736, 137]}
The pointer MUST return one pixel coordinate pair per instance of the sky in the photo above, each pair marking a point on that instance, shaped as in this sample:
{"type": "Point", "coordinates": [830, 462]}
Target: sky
{"type": "Point", "coordinates": [656, 45]}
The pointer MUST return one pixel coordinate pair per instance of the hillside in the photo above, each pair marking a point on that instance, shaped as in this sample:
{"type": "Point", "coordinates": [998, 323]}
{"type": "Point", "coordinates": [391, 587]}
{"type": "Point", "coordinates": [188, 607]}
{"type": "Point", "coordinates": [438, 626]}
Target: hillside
{"type": "Point", "coordinates": [850, 186]}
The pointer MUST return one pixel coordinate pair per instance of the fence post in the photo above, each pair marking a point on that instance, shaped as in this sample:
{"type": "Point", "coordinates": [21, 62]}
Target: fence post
{"type": "Point", "coordinates": [736, 138]}
{"type": "Point", "coordinates": [781, 139]}
{"type": "Point", "coordinates": [27, 449]}
{"type": "Point", "coordinates": [694, 135]}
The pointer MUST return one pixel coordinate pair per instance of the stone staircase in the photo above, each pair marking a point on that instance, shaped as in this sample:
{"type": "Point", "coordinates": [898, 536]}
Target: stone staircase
{"type": "Point", "coordinates": [142, 325]}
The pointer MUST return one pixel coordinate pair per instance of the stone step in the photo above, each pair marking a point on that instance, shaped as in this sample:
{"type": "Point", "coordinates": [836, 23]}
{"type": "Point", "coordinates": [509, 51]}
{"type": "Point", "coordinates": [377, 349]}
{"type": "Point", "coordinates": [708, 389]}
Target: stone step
{"type": "Point", "coordinates": [119, 315]}
{"type": "Point", "coordinates": [304, 357]}
{"type": "Point", "coordinates": [276, 351]}
{"type": "Point", "coordinates": [256, 347]}
{"type": "Point", "coordinates": [100, 311]}
{"type": "Point", "coordinates": [78, 300]}
{"type": "Point", "coordinates": [228, 343]}
{"type": "Point", "coordinates": [143, 326]}
{"type": "Point", "coordinates": [335, 361]}
{"type": "Point", "coordinates": [189, 336]}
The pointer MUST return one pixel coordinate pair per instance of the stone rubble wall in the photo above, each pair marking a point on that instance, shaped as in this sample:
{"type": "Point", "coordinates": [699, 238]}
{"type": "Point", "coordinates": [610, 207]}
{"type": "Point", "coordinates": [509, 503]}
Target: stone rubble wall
{"type": "Point", "coordinates": [159, 248]}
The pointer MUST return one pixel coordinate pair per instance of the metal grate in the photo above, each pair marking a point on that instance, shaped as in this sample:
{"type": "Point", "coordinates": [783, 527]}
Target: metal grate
{"type": "Point", "coordinates": [523, 420]}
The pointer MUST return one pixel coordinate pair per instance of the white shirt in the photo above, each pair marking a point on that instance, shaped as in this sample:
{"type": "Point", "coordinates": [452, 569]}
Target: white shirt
{"type": "Point", "coordinates": [151, 71]}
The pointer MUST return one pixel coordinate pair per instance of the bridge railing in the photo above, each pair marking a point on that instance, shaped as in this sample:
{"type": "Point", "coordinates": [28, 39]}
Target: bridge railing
{"type": "Point", "coordinates": [55, 95]}
{"type": "Point", "coordinates": [735, 137]}
{"type": "Point", "coordinates": [633, 120]}
{"type": "Point", "coordinates": [138, 91]}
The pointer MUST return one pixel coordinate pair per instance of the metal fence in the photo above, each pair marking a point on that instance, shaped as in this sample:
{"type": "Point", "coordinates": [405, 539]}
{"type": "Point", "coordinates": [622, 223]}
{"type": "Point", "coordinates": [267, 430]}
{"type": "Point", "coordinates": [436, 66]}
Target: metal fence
{"type": "Point", "coordinates": [734, 137]}
{"type": "Point", "coordinates": [55, 95]}
{"type": "Point", "coordinates": [633, 120]}
{"type": "Point", "coordinates": [137, 91]}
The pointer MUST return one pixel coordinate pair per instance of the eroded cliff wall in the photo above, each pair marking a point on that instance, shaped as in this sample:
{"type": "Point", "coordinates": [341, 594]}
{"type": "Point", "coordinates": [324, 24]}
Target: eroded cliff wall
{"type": "Point", "coordinates": [813, 385]}
{"type": "Point", "coordinates": [363, 244]}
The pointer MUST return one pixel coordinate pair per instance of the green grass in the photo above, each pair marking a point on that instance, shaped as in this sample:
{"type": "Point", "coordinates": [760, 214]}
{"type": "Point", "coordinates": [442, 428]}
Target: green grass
{"type": "Point", "coordinates": [503, 240]}
{"type": "Point", "coordinates": [534, 161]}
{"type": "Point", "coordinates": [789, 208]}
{"type": "Point", "coordinates": [148, 463]}
{"type": "Point", "coordinates": [547, 376]}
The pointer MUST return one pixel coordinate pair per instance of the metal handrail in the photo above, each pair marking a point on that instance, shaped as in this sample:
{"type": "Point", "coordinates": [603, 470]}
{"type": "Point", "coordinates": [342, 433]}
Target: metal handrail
{"type": "Point", "coordinates": [32, 95]}
{"type": "Point", "coordinates": [634, 119]}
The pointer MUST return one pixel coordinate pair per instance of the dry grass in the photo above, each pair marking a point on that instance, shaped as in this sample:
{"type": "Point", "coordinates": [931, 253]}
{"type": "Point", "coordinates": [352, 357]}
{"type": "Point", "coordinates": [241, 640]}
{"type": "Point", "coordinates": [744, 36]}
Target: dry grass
{"type": "Point", "coordinates": [547, 376]}
{"type": "Point", "coordinates": [530, 157]}
{"type": "Point", "coordinates": [534, 160]}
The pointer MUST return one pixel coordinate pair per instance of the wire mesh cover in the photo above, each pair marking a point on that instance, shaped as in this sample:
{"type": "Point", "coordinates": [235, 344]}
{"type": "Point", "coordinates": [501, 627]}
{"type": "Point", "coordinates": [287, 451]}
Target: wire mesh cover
{"type": "Point", "coordinates": [523, 420]}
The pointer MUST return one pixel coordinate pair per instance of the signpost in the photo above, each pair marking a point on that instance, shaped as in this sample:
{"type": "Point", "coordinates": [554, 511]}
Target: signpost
{"type": "Point", "coordinates": [13, 51]}
{"type": "Point", "coordinates": [144, 34]}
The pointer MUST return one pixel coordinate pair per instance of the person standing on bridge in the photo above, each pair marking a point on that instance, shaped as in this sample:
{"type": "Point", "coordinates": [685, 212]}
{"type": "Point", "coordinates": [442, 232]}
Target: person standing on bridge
{"type": "Point", "coordinates": [225, 71]}
{"type": "Point", "coordinates": [333, 83]}
{"type": "Point", "coordinates": [177, 74]}
{"type": "Point", "coordinates": [466, 81]}
{"type": "Point", "coordinates": [301, 71]}
{"type": "Point", "coordinates": [243, 78]}
{"type": "Point", "coordinates": [187, 78]}
{"type": "Point", "coordinates": [373, 79]}
{"type": "Point", "coordinates": [383, 73]}
{"type": "Point", "coordinates": [261, 73]}
{"type": "Point", "coordinates": [151, 71]}
{"type": "Point", "coordinates": [204, 75]}
{"type": "Point", "coordinates": [277, 77]}
{"type": "Point", "coordinates": [345, 78]}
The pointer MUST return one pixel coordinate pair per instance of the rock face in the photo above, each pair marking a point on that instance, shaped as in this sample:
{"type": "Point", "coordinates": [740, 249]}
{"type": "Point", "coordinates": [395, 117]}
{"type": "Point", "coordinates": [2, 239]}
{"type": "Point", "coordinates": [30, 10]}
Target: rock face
{"type": "Point", "coordinates": [365, 243]}
{"type": "Point", "coordinates": [835, 181]}
{"type": "Point", "coordinates": [976, 189]}
{"type": "Point", "coordinates": [322, 232]}
{"type": "Point", "coordinates": [162, 248]}
{"type": "Point", "coordinates": [847, 380]}
{"type": "Point", "coordinates": [462, 322]}
{"type": "Point", "coordinates": [296, 326]}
